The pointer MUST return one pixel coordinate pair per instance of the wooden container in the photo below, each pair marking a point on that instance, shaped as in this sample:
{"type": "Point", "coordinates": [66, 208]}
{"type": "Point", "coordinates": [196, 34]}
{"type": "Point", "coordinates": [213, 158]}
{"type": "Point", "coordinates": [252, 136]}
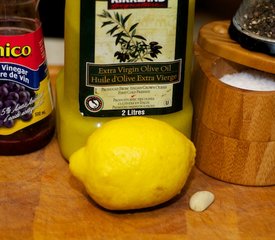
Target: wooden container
{"type": "Point", "coordinates": [233, 129]}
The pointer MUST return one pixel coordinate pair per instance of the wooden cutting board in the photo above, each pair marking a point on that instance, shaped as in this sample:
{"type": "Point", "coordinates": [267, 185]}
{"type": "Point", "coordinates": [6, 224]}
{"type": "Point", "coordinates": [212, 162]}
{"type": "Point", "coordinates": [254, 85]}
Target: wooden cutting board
{"type": "Point", "coordinates": [40, 199]}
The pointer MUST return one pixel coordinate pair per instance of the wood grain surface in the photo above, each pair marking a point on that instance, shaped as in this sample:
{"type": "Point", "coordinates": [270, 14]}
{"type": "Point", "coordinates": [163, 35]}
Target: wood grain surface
{"type": "Point", "coordinates": [40, 199]}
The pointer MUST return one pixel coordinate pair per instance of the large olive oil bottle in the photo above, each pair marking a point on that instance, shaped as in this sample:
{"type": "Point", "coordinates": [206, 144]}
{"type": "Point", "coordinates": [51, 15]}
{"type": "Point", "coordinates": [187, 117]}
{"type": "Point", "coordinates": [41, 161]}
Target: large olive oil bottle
{"type": "Point", "coordinates": [122, 59]}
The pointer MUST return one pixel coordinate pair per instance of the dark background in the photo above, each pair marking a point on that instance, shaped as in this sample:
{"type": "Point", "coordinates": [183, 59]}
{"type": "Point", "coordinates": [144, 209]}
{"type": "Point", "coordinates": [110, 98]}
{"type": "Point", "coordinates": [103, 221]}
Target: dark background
{"type": "Point", "coordinates": [52, 13]}
{"type": "Point", "coordinates": [52, 17]}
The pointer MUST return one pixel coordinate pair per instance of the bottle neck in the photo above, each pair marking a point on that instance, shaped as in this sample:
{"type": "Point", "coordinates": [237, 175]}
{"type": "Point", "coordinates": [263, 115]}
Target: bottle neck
{"type": "Point", "coordinates": [18, 16]}
{"type": "Point", "coordinates": [19, 8]}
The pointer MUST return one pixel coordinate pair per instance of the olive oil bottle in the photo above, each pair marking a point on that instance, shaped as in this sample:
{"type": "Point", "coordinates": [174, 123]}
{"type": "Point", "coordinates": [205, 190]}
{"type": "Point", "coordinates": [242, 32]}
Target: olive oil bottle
{"type": "Point", "coordinates": [122, 59]}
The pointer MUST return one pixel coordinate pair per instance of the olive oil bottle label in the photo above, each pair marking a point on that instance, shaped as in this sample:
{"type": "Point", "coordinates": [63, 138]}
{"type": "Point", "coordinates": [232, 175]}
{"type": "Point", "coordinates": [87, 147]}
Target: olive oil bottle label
{"type": "Point", "coordinates": [132, 55]}
{"type": "Point", "coordinates": [25, 95]}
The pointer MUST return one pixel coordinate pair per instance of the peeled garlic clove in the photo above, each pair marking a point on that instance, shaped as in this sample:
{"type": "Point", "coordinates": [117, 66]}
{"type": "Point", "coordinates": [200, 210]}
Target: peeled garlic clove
{"type": "Point", "coordinates": [201, 200]}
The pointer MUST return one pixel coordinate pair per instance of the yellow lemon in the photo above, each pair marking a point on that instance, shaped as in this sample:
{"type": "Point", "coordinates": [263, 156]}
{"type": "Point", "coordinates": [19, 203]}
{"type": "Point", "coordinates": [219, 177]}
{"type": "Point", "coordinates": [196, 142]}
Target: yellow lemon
{"type": "Point", "coordinates": [133, 163]}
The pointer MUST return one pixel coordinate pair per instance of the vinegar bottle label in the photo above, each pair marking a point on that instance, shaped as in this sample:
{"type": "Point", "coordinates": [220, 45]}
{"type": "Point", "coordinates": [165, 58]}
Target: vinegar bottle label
{"type": "Point", "coordinates": [25, 95]}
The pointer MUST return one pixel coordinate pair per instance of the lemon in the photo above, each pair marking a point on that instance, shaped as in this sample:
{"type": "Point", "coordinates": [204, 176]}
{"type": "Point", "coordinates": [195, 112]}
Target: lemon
{"type": "Point", "coordinates": [133, 163]}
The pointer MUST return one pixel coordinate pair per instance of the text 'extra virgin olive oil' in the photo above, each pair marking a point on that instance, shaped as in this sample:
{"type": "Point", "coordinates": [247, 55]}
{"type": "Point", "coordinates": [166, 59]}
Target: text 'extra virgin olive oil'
{"type": "Point", "coordinates": [124, 58]}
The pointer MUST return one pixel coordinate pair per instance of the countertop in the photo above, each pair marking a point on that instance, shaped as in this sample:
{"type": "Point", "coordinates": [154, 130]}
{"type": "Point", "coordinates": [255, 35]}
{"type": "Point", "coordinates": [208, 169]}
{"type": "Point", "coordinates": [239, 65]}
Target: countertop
{"type": "Point", "coordinates": [40, 199]}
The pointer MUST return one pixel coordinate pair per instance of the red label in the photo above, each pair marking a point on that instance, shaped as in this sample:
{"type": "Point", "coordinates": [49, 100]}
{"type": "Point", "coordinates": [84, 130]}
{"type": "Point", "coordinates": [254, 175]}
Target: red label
{"type": "Point", "coordinates": [25, 50]}
{"type": "Point", "coordinates": [124, 4]}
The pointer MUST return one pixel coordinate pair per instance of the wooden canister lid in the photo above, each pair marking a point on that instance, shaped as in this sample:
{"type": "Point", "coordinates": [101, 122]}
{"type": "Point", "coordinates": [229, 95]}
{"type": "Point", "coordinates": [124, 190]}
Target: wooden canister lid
{"type": "Point", "coordinates": [214, 38]}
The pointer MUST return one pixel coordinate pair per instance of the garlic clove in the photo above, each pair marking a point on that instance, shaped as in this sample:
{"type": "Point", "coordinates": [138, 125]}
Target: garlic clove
{"type": "Point", "coordinates": [201, 200]}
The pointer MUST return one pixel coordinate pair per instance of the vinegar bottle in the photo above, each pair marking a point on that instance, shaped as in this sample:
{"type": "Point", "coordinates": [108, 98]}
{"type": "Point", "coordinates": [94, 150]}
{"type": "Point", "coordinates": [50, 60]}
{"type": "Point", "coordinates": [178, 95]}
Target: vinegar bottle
{"type": "Point", "coordinates": [26, 106]}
